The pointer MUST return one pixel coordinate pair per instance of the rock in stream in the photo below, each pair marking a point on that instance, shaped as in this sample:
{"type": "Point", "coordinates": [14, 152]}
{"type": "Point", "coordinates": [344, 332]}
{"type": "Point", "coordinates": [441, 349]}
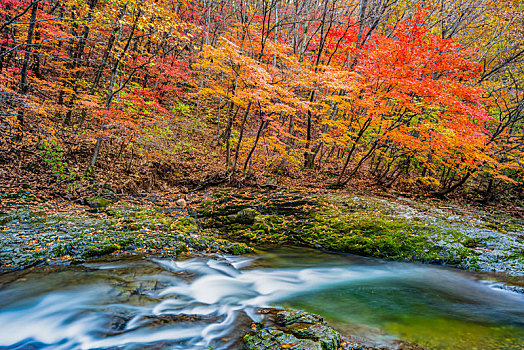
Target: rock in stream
{"type": "Point", "coordinates": [297, 330]}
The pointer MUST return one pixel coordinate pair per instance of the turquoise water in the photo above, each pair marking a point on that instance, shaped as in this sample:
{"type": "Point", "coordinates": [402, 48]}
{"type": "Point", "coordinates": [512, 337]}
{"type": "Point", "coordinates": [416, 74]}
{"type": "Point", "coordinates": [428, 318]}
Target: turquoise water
{"type": "Point", "coordinates": [204, 303]}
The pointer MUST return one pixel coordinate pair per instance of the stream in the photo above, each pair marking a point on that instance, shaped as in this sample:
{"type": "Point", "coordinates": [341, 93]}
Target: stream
{"type": "Point", "coordinates": [208, 303]}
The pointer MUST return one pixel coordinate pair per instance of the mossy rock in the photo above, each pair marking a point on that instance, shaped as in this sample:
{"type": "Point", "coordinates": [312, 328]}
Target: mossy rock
{"type": "Point", "coordinates": [333, 223]}
{"type": "Point", "coordinates": [94, 251]}
{"type": "Point", "coordinates": [59, 250]}
{"type": "Point", "coordinates": [328, 338]}
{"type": "Point", "coordinates": [292, 329]}
{"type": "Point", "coordinates": [471, 242]}
{"type": "Point", "coordinates": [243, 217]}
{"type": "Point", "coordinates": [5, 219]}
{"type": "Point", "coordinates": [238, 249]}
{"type": "Point", "coordinates": [98, 202]}
{"type": "Point", "coordinates": [288, 317]}
{"type": "Point", "coordinates": [298, 330]}
{"type": "Point", "coordinates": [271, 339]}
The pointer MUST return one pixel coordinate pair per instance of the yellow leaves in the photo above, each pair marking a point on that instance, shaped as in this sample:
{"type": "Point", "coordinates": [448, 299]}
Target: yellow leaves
{"type": "Point", "coordinates": [340, 80]}
{"type": "Point", "coordinates": [235, 74]}
{"type": "Point", "coordinates": [428, 180]}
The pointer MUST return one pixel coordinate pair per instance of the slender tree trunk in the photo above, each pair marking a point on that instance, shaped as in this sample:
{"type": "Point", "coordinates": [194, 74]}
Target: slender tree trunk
{"type": "Point", "coordinates": [111, 93]}
{"type": "Point", "coordinates": [24, 86]}
{"type": "Point", "coordinates": [361, 17]}
{"type": "Point", "coordinates": [96, 151]}
{"type": "Point", "coordinates": [229, 127]}
{"type": "Point", "coordinates": [263, 124]}
{"type": "Point", "coordinates": [309, 155]}
{"type": "Point", "coordinates": [77, 57]}
{"type": "Point", "coordinates": [237, 149]}
{"type": "Point", "coordinates": [350, 152]}
{"type": "Point", "coordinates": [359, 164]}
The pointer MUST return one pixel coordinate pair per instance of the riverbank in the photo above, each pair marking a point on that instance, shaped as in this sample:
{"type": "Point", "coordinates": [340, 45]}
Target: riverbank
{"type": "Point", "coordinates": [232, 221]}
{"type": "Point", "coordinates": [389, 227]}
{"type": "Point", "coordinates": [34, 234]}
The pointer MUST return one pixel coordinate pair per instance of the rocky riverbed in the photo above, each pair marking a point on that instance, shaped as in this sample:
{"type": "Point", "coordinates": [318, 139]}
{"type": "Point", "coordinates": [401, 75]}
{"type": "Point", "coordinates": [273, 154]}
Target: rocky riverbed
{"type": "Point", "coordinates": [232, 221]}
{"type": "Point", "coordinates": [40, 234]}
{"type": "Point", "coordinates": [221, 301]}
{"type": "Point", "coordinates": [388, 228]}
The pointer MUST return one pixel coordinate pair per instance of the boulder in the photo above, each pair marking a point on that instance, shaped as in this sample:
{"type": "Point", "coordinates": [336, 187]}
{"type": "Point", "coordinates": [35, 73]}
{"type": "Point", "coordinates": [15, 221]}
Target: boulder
{"type": "Point", "coordinates": [270, 338]}
{"type": "Point", "coordinates": [98, 202]}
{"type": "Point", "coordinates": [298, 330]}
{"type": "Point", "coordinates": [291, 329]}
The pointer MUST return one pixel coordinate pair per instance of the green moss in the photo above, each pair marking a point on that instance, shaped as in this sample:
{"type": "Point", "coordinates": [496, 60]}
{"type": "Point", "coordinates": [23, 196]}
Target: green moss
{"type": "Point", "coordinates": [133, 227]}
{"type": "Point", "coordinates": [471, 242]}
{"type": "Point", "coordinates": [335, 223]}
{"type": "Point", "coordinates": [93, 251]}
{"type": "Point", "coordinates": [517, 255]}
{"type": "Point", "coordinates": [5, 219]}
{"type": "Point", "coordinates": [58, 251]}
{"type": "Point", "coordinates": [98, 202]}
{"type": "Point", "coordinates": [370, 236]}
{"type": "Point", "coordinates": [181, 248]}
{"type": "Point", "coordinates": [238, 249]}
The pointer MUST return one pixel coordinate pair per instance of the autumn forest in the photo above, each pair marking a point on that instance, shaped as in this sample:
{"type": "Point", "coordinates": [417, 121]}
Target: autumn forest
{"type": "Point", "coordinates": [423, 96]}
{"type": "Point", "coordinates": [262, 174]}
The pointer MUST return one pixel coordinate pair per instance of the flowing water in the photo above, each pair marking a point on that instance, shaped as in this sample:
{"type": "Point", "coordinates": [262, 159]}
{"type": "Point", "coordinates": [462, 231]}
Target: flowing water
{"type": "Point", "coordinates": [206, 303]}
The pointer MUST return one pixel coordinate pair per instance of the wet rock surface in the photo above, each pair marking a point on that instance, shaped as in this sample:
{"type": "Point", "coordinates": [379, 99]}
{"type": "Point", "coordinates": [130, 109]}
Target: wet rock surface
{"type": "Point", "coordinates": [297, 330]}
{"type": "Point", "coordinates": [397, 229]}
{"type": "Point", "coordinates": [223, 220]}
{"type": "Point", "coordinates": [41, 234]}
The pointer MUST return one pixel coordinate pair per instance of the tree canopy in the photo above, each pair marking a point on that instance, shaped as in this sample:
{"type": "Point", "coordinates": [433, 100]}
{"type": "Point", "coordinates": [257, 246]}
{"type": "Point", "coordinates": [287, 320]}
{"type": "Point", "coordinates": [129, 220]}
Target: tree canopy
{"type": "Point", "coordinates": [423, 95]}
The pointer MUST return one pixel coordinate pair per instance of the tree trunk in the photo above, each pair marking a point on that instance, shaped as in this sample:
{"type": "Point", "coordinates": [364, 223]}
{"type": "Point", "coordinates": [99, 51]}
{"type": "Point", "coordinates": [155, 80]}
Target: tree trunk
{"type": "Point", "coordinates": [229, 126]}
{"type": "Point", "coordinates": [442, 193]}
{"type": "Point", "coordinates": [350, 152]}
{"type": "Point", "coordinates": [237, 149]}
{"type": "Point", "coordinates": [110, 92]}
{"type": "Point", "coordinates": [260, 129]}
{"type": "Point", "coordinates": [24, 86]}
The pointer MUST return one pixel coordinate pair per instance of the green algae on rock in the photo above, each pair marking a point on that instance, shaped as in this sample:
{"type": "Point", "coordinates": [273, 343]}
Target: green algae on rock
{"type": "Point", "coordinates": [98, 202]}
{"type": "Point", "coordinates": [398, 229]}
{"type": "Point", "coordinates": [310, 221]}
{"type": "Point", "coordinates": [292, 329]}
{"type": "Point", "coordinates": [30, 236]}
{"type": "Point", "coordinates": [298, 330]}
{"type": "Point", "coordinates": [274, 339]}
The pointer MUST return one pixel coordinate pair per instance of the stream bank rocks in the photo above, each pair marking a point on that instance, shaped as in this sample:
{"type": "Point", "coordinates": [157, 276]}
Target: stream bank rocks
{"type": "Point", "coordinates": [297, 330]}
{"type": "Point", "coordinates": [228, 220]}
{"type": "Point", "coordinates": [396, 229]}
{"type": "Point", "coordinates": [45, 236]}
